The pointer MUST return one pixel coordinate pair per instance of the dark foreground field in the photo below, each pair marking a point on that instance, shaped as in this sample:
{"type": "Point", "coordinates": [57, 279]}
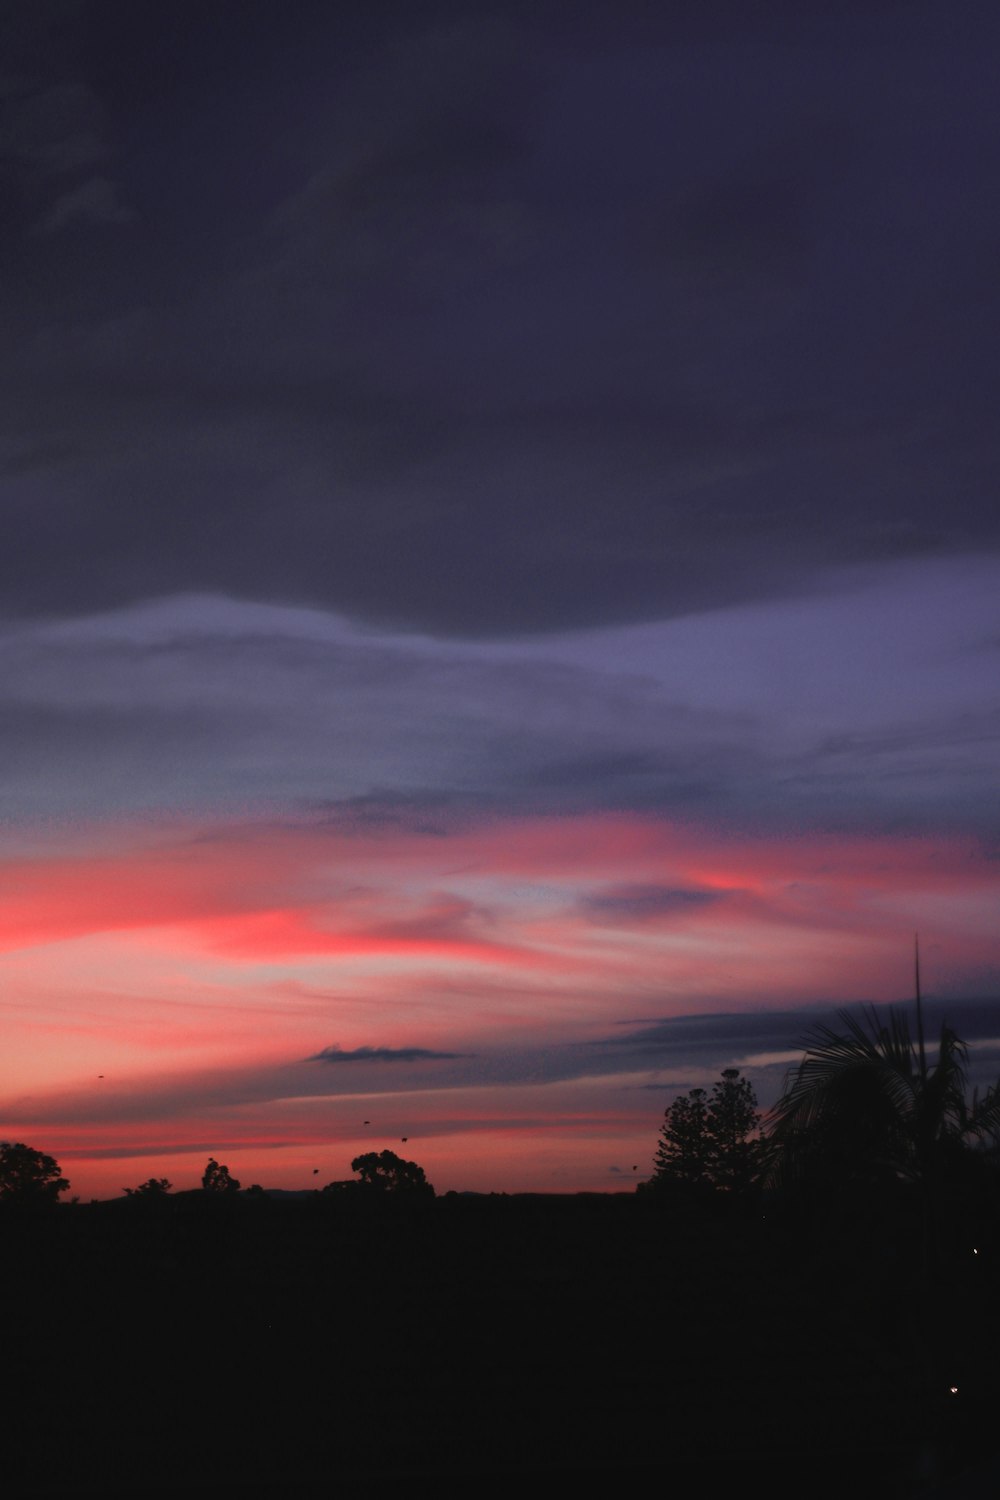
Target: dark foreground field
{"type": "Point", "coordinates": [483, 1345]}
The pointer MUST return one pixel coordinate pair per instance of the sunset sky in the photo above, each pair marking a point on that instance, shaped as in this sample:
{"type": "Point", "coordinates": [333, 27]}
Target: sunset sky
{"type": "Point", "coordinates": [500, 604]}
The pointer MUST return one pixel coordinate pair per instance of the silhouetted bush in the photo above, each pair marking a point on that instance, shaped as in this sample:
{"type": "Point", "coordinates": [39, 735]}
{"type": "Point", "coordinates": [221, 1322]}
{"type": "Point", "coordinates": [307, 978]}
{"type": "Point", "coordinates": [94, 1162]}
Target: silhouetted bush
{"type": "Point", "coordinates": [29, 1177]}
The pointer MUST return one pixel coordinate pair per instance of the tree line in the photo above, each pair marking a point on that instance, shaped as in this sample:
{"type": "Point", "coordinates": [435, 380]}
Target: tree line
{"type": "Point", "coordinates": [864, 1106]}
{"type": "Point", "coordinates": [32, 1178]}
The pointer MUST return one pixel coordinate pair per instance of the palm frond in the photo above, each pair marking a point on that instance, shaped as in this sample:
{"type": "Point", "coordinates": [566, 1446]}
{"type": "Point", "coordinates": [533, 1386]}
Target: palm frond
{"type": "Point", "coordinates": [941, 1103]}
{"type": "Point", "coordinates": [983, 1119]}
{"type": "Point", "coordinates": [865, 1055]}
{"type": "Point", "coordinates": [864, 1100]}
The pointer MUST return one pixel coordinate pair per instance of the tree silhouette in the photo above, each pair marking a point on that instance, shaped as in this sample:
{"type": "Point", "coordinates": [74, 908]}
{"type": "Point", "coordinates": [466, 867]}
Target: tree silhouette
{"type": "Point", "coordinates": [216, 1179]}
{"type": "Point", "coordinates": [733, 1118]}
{"type": "Point", "coordinates": [386, 1172]}
{"type": "Point", "coordinates": [154, 1187]}
{"type": "Point", "coordinates": [683, 1151]}
{"type": "Point", "coordinates": [707, 1139]}
{"type": "Point", "coordinates": [28, 1176]}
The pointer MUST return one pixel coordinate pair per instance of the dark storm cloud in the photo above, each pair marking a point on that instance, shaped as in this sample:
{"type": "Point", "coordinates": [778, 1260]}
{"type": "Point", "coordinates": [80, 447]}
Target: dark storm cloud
{"type": "Point", "coordinates": [631, 903]}
{"type": "Point", "coordinates": [493, 320]}
{"type": "Point", "coordinates": [95, 201]}
{"type": "Point", "coordinates": [766, 1045]}
{"type": "Point", "coordinates": [55, 148]}
{"type": "Point", "coordinates": [337, 1054]}
{"type": "Point", "coordinates": [50, 131]}
{"type": "Point", "coordinates": [651, 779]}
{"type": "Point", "coordinates": [659, 1057]}
{"type": "Point", "coordinates": [711, 1037]}
{"type": "Point", "coordinates": [737, 717]}
{"type": "Point", "coordinates": [773, 1039]}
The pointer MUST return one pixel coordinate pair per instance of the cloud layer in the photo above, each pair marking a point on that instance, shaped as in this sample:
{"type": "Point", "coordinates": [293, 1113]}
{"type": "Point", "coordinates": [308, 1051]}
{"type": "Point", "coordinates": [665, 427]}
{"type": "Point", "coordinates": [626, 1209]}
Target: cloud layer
{"type": "Point", "coordinates": [491, 323]}
{"type": "Point", "coordinates": [499, 606]}
{"type": "Point", "coordinates": [871, 704]}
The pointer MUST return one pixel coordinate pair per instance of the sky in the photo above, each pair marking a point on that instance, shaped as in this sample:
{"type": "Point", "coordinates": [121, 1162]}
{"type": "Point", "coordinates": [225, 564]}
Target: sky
{"type": "Point", "coordinates": [500, 595]}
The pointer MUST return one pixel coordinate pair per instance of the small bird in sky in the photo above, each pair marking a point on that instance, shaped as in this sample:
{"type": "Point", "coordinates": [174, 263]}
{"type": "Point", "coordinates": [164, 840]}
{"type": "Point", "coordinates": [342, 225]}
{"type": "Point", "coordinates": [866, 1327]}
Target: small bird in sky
{"type": "Point", "coordinates": [315, 1171]}
{"type": "Point", "coordinates": [368, 1122]}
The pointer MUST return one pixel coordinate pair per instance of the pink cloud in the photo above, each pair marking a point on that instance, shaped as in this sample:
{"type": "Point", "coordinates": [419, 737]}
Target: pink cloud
{"type": "Point", "coordinates": [198, 969]}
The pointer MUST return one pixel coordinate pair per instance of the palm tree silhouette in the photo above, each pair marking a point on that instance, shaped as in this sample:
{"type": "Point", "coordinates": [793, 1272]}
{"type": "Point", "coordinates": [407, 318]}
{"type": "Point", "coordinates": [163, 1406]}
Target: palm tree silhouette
{"type": "Point", "coordinates": [875, 1139]}
{"type": "Point", "coordinates": [864, 1101]}
{"type": "Point", "coordinates": [867, 1124]}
